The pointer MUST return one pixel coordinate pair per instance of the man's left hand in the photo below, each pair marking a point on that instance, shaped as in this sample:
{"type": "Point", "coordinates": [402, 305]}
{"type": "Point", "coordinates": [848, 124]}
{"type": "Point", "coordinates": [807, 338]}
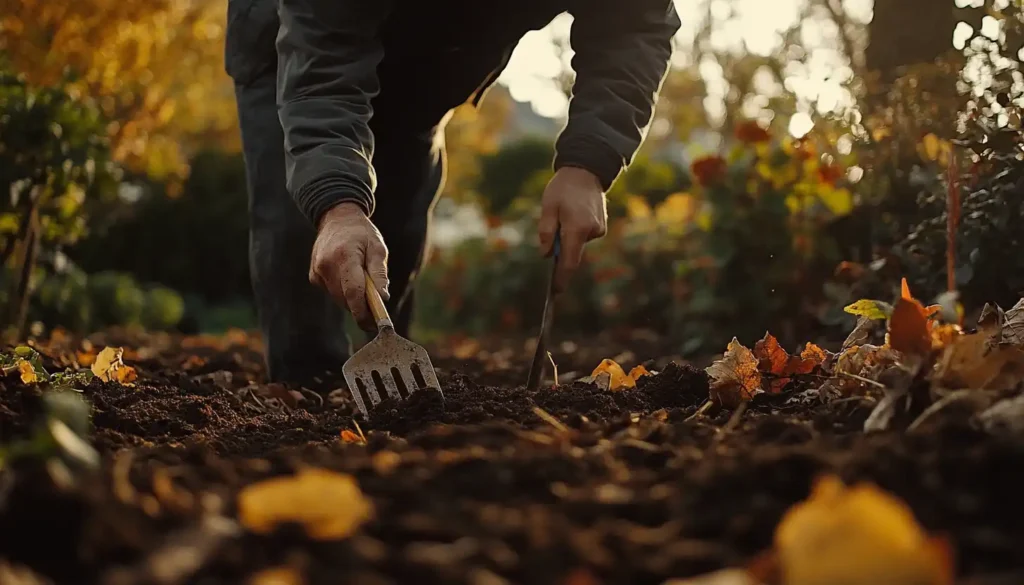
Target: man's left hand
{"type": "Point", "coordinates": [574, 204]}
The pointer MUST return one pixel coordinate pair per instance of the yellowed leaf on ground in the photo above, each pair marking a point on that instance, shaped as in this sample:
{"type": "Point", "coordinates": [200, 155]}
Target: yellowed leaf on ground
{"type": "Point", "coordinates": [859, 535]}
{"type": "Point", "coordinates": [734, 378]}
{"type": "Point", "coordinates": [109, 367]}
{"type": "Point", "coordinates": [328, 505]}
{"type": "Point", "coordinates": [27, 372]}
{"type": "Point", "coordinates": [875, 310]}
{"type": "Point", "coordinates": [277, 576]}
{"type": "Point", "coordinates": [638, 372]}
{"type": "Point", "coordinates": [609, 375]}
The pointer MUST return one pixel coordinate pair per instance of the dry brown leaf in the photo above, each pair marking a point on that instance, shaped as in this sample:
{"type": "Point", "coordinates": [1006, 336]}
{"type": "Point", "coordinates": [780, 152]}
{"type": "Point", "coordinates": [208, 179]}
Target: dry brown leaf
{"type": "Point", "coordinates": [972, 361]}
{"type": "Point", "coordinates": [328, 505]}
{"type": "Point", "coordinates": [771, 356]}
{"type": "Point", "coordinates": [734, 378]}
{"type": "Point", "coordinates": [277, 576]}
{"type": "Point", "coordinates": [109, 367]}
{"type": "Point", "coordinates": [348, 436]}
{"type": "Point", "coordinates": [27, 372]}
{"type": "Point", "coordinates": [858, 535]}
{"type": "Point", "coordinates": [1012, 332]}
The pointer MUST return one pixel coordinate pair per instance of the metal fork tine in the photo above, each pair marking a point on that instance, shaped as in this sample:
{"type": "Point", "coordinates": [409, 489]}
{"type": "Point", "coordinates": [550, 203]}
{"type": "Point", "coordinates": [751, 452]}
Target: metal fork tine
{"type": "Point", "coordinates": [390, 385]}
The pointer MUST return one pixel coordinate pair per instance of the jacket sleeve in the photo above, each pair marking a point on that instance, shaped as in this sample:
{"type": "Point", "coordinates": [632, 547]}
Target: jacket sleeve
{"type": "Point", "coordinates": [328, 52]}
{"type": "Point", "coordinates": [622, 51]}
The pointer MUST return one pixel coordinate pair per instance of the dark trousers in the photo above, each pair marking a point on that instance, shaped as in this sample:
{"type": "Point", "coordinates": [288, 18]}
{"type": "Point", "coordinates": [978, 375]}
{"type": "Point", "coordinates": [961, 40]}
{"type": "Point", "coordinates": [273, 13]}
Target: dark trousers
{"type": "Point", "coordinates": [303, 328]}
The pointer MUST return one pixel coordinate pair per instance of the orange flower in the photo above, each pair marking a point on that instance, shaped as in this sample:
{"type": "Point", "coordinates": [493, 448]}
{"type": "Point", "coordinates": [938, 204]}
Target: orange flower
{"type": "Point", "coordinates": [708, 169]}
{"type": "Point", "coordinates": [751, 132]}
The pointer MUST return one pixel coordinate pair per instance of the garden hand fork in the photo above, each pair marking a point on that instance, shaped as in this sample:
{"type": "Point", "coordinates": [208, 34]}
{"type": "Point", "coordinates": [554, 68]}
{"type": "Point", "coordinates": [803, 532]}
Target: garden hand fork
{"type": "Point", "coordinates": [540, 354]}
{"type": "Point", "coordinates": [389, 363]}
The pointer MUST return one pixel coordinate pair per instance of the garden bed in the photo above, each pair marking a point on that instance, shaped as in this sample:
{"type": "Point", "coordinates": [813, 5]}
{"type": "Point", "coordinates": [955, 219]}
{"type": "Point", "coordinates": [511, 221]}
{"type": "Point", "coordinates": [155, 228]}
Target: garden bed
{"type": "Point", "coordinates": [571, 486]}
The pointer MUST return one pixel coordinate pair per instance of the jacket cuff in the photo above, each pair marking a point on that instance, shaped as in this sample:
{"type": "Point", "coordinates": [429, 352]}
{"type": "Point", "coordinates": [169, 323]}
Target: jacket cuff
{"type": "Point", "coordinates": [592, 155]}
{"type": "Point", "coordinates": [319, 196]}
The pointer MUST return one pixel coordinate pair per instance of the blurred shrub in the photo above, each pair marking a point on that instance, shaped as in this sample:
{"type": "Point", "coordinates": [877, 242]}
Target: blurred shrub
{"type": "Point", "coordinates": [195, 243]}
{"type": "Point", "coordinates": [84, 303]}
{"type": "Point", "coordinates": [55, 172]}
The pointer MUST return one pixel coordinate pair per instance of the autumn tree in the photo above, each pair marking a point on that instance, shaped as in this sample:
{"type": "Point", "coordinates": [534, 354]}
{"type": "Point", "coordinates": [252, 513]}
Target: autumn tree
{"type": "Point", "coordinates": [154, 67]}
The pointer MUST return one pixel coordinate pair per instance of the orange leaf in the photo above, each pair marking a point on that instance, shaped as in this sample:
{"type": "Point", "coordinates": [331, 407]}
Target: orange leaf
{"type": "Point", "coordinates": [637, 372]}
{"type": "Point", "coordinates": [910, 330]}
{"type": "Point", "coordinates": [348, 436]}
{"type": "Point", "coordinates": [734, 378]}
{"type": "Point", "coordinates": [617, 378]}
{"type": "Point", "coordinates": [771, 357]}
{"type": "Point", "coordinates": [905, 290]}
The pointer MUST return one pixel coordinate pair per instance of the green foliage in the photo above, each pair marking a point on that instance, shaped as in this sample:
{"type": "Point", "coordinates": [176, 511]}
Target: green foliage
{"type": "Point", "coordinates": [194, 243]}
{"type": "Point", "coordinates": [505, 174]}
{"type": "Point", "coordinates": [116, 298]}
{"type": "Point", "coordinates": [163, 309]}
{"type": "Point", "coordinates": [54, 159]}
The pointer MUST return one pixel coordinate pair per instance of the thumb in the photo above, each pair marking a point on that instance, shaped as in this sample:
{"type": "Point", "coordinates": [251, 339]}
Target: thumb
{"type": "Point", "coordinates": [377, 266]}
{"type": "Point", "coordinates": [547, 227]}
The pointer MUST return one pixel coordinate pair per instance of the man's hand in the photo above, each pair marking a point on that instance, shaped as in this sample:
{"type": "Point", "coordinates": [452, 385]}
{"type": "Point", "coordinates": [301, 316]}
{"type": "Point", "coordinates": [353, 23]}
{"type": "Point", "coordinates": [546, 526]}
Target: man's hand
{"type": "Point", "coordinates": [574, 204]}
{"type": "Point", "coordinates": [348, 246]}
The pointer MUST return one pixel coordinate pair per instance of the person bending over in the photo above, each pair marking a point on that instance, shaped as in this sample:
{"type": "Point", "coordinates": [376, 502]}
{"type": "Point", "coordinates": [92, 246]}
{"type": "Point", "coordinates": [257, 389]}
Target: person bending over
{"type": "Point", "coordinates": [342, 106]}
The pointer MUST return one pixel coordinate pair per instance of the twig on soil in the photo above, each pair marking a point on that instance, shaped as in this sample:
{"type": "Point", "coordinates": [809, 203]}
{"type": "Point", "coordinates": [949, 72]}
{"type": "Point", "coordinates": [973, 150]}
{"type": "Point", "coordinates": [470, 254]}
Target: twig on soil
{"type": "Point", "coordinates": [550, 419]}
{"type": "Point", "coordinates": [307, 392]}
{"type": "Point", "coordinates": [554, 371]}
{"type": "Point", "coordinates": [868, 381]}
{"type": "Point", "coordinates": [358, 428]}
{"type": "Point", "coordinates": [734, 420]}
{"type": "Point", "coordinates": [700, 411]}
{"type": "Point", "coordinates": [256, 399]}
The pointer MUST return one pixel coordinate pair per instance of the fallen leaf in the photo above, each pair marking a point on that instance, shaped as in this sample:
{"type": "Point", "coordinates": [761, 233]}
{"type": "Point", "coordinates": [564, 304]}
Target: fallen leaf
{"type": "Point", "coordinates": [609, 375]}
{"type": "Point", "coordinates": [328, 505]}
{"type": "Point", "coordinates": [348, 436]}
{"type": "Point", "coordinates": [85, 358]}
{"type": "Point", "coordinates": [1013, 325]}
{"type": "Point", "coordinates": [108, 367]}
{"type": "Point", "coordinates": [775, 361]}
{"type": "Point", "coordinates": [581, 576]}
{"type": "Point", "coordinates": [721, 577]}
{"type": "Point", "coordinates": [277, 576]}
{"type": "Point", "coordinates": [909, 326]}
{"type": "Point", "coordinates": [860, 334]}
{"type": "Point", "coordinates": [859, 535]}
{"type": "Point", "coordinates": [973, 361]}
{"type": "Point", "coordinates": [735, 378]}
{"type": "Point", "coordinates": [870, 309]}
{"type": "Point", "coordinates": [28, 373]}
{"type": "Point", "coordinates": [638, 372]}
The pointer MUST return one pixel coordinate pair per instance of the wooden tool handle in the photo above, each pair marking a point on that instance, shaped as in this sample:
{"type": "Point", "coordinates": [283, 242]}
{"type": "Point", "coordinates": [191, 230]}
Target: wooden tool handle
{"type": "Point", "coordinates": [377, 308]}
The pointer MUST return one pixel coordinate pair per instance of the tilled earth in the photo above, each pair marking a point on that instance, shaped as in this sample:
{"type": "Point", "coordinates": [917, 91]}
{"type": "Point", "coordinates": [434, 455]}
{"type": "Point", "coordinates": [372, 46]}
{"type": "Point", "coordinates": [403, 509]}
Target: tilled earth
{"type": "Point", "coordinates": [623, 487]}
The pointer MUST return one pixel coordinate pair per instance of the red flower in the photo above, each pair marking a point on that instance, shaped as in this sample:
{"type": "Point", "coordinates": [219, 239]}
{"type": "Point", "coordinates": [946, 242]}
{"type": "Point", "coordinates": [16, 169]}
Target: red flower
{"type": "Point", "coordinates": [751, 132]}
{"type": "Point", "coordinates": [708, 169]}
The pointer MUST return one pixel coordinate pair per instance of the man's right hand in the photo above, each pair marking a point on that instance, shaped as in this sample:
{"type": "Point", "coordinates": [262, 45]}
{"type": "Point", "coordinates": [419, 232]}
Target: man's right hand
{"type": "Point", "coordinates": [347, 247]}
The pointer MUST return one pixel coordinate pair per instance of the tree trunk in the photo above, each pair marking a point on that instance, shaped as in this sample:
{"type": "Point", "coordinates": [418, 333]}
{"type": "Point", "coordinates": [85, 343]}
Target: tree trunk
{"type": "Point", "coordinates": [908, 32]}
{"type": "Point", "coordinates": [20, 302]}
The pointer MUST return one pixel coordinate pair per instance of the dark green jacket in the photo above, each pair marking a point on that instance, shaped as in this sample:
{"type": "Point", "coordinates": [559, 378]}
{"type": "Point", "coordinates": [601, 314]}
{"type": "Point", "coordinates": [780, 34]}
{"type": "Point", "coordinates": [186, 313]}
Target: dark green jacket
{"type": "Point", "coordinates": [416, 60]}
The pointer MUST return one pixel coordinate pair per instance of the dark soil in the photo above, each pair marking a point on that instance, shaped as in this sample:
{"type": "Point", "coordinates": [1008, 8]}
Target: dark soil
{"type": "Point", "coordinates": [628, 488]}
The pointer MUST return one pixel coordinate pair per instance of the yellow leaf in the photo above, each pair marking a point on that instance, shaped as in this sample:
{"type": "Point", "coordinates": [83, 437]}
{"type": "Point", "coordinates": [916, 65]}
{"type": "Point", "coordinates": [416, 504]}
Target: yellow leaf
{"type": "Point", "coordinates": [838, 201]}
{"type": "Point", "coordinates": [677, 209]}
{"type": "Point", "coordinates": [876, 310]}
{"type": "Point", "coordinates": [617, 378]}
{"type": "Point", "coordinates": [934, 149]}
{"type": "Point", "coordinates": [734, 378]}
{"type": "Point", "coordinates": [109, 367]}
{"type": "Point", "coordinates": [328, 505]}
{"type": "Point", "coordinates": [277, 576]}
{"type": "Point", "coordinates": [28, 373]}
{"type": "Point", "coordinates": [638, 371]}
{"type": "Point", "coordinates": [857, 535]}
